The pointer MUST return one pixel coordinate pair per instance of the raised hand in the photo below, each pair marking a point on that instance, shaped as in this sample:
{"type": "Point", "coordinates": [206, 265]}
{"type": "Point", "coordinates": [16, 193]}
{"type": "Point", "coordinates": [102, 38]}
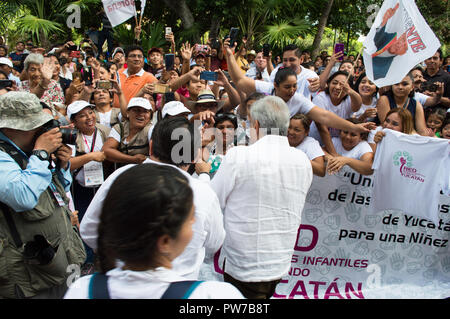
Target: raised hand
{"type": "Point", "coordinates": [186, 51]}
{"type": "Point", "coordinates": [47, 69]}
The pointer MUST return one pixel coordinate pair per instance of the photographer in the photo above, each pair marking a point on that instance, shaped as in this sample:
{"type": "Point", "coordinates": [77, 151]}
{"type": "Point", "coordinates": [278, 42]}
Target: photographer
{"type": "Point", "coordinates": [38, 239]}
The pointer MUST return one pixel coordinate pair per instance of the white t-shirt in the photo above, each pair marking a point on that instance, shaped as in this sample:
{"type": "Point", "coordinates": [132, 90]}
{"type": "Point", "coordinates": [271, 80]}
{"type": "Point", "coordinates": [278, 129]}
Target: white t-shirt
{"type": "Point", "coordinates": [87, 149]}
{"type": "Point", "coordinates": [302, 80]}
{"type": "Point", "coordinates": [311, 148]}
{"type": "Point", "coordinates": [150, 284]}
{"type": "Point", "coordinates": [402, 167]}
{"type": "Point", "coordinates": [364, 107]}
{"type": "Point", "coordinates": [297, 104]}
{"type": "Point", "coordinates": [343, 110]}
{"type": "Point", "coordinates": [370, 138]}
{"type": "Point", "coordinates": [105, 118]}
{"type": "Point", "coordinates": [116, 135]}
{"type": "Point", "coordinates": [420, 97]}
{"type": "Point", "coordinates": [356, 152]}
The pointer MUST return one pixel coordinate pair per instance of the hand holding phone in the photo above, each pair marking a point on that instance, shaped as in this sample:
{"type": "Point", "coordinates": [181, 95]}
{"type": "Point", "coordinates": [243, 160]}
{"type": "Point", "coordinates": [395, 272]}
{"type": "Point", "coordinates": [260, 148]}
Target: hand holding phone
{"type": "Point", "coordinates": [208, 76]}
{"type": "Point", "coordinates": [87, 76]}
{"type": "Point", "coordinates": [339, 47]}
{"type": "Point", "coordinates": [266, 50]}
{"type": "Point", "coordinates": [104, 85]}
{"type": "Point", "coordinates": [161, 88]}
{"type": "Point", "coordinates": [169, 60]}
{"type": "Point", "coordinates": [233, 36]}
{"type": "Point", "coordinates": [75, 54]}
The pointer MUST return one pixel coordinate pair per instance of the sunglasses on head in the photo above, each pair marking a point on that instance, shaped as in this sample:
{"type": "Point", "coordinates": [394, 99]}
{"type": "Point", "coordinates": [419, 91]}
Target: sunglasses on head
{"type": "Point", "coordinates": [225, 115]}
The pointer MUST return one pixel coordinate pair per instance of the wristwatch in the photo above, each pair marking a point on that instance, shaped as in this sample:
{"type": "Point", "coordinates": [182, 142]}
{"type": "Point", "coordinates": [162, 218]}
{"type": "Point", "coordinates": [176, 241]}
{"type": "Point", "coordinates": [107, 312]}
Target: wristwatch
{"type": "Point", "coordinates": [41, 154]}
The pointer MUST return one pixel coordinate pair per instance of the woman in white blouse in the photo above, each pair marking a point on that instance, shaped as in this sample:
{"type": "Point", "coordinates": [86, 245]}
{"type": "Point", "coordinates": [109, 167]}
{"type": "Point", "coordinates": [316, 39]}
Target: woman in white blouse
{"type": "Point", "coordinates": [338, 98]}
{"type": "Point", "coordinates": [368, 92]}
{"type": "Point", "coordinates": [298, 137]}
{"type": "Point", "coordinates": [352, 150]}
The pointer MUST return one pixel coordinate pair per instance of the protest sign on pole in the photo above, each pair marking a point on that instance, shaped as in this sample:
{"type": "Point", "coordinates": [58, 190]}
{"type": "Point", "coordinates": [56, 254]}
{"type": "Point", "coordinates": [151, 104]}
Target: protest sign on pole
{"type": "Point", "coordinates": [399, 39]}
{"type": "Point", "coordinates": [119, 11]}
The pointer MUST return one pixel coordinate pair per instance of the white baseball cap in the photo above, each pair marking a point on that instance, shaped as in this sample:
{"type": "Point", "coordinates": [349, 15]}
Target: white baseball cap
{"type": "Point", "coordinates": [141, 102]}
{"type": "Point", "coordinates": [6, 61]}
{"type": "Point", "coordinates": [174, 108]}
{"type": "Point", "coordinates": [77, 106]}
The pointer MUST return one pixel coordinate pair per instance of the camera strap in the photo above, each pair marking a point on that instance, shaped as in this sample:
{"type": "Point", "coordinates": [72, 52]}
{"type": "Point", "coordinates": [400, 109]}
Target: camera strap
{"type": "Point", "coordinates": [12, 226]}
{"type": "Point", "coordinates": [12, 151]}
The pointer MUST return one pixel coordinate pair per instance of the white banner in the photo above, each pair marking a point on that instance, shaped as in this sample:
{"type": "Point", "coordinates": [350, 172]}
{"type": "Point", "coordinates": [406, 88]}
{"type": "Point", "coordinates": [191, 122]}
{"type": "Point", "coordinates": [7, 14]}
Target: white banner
{"type": "Point", "coordinates": [398, 40]}
{"type": "Point", "coordinates": [345, 251]}
{"type": "Point", "coordinates": [119, 11]}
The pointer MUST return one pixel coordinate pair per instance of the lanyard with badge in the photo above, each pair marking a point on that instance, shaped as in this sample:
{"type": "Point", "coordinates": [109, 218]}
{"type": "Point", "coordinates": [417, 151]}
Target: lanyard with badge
{"type": "Point", "coordinates": [93, 171]}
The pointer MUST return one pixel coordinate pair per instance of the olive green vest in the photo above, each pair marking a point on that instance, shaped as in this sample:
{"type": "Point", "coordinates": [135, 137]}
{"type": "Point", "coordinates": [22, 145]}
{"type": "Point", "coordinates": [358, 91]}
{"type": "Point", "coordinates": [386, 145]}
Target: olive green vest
{"type": "Point", "coordinates": [108, 167]}
{"type": "Point", "coordinates": [80, 144]}
{"type": "Point", "coordinates": [19, 278]}
{"type": "Point", "coordinates": [138, 144]}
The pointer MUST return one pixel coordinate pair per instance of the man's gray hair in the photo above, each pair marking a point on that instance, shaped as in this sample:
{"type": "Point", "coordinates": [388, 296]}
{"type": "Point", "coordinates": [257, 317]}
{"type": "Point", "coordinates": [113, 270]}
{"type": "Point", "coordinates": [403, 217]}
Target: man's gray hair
{"type": "Point", "coordinates": [272, 114]}
{"type": "Point", "coordinates": [33, 58]}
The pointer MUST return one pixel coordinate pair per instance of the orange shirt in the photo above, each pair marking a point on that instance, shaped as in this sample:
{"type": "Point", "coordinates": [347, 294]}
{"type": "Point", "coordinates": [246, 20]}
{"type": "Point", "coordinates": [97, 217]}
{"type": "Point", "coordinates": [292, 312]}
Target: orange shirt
{"type": "Point", "coordinates": [131, 85]}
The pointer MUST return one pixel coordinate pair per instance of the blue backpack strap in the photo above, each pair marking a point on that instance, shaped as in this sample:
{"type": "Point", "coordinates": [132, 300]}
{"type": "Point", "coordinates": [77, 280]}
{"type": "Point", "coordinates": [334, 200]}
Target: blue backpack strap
{"type": "Point", "coordinates": [98, 286]}
{"type": "Point", "coordinates": [180, 289]}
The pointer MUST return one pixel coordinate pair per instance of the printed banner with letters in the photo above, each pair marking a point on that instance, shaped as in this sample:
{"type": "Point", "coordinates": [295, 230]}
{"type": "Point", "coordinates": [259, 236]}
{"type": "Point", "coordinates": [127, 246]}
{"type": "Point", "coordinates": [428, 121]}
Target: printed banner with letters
{"type": "Point", "coordinates": [345, 251]}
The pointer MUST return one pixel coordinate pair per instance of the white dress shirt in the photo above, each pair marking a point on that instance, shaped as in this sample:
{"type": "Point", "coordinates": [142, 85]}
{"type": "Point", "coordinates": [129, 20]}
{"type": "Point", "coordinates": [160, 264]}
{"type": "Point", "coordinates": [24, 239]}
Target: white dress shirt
{"type": "Point", "coordinates": [208, 228]}
{"type": "Point", "coordinates": [150, 284]}
{"type": "Point", "coordinates": [262, 190]}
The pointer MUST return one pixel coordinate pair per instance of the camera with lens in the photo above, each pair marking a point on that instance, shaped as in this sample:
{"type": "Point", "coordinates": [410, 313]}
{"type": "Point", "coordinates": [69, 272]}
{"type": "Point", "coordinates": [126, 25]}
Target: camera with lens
{"type": "Point", "coordinates": [39, 251]}
{"type": "Point", "coordinates": [69, 135]}
{"type": "Point", "coordinates": [429, 86]}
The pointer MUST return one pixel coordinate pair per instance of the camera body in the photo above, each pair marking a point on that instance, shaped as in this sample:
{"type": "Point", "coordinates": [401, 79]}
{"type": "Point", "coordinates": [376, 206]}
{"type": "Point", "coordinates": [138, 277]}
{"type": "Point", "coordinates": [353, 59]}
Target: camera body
{"type": "Point", "coordinates": [429, 86]}
{"type": "Point", "coordinates": [69, 135]}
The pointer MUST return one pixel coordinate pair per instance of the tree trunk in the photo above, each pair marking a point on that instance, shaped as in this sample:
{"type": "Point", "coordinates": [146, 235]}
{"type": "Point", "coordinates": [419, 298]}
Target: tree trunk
{"type": "Point", "coordinates": [214, 29]}
{"type": "Point", "coordinates": [183, 10]}
{"type": "Point", "coordinates": [320, 28]}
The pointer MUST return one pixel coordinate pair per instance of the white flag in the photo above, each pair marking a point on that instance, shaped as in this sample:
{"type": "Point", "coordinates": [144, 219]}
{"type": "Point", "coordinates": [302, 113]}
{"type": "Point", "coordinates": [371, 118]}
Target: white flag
{"type": "Point", "coordinates": [398, 40]}
{"type": "Point", "coordinates": [119, 11]}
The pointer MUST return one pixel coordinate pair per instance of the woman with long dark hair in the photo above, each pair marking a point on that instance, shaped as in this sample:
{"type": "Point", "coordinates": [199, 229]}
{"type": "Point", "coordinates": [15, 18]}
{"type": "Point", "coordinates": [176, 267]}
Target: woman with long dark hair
{"type": "Point", "coordinates": [146, 225]}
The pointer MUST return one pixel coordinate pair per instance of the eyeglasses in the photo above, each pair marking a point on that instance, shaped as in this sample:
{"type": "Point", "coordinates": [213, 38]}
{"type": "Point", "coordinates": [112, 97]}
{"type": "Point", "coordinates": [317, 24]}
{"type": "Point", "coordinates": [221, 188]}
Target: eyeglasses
{"type": "Point", "coordinates": [139, 56]}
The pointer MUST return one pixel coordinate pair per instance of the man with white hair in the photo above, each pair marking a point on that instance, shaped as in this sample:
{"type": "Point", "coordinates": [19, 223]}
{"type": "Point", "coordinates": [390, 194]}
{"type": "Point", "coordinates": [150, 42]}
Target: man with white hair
{"type": "Point", "coordinates": [262, 190]}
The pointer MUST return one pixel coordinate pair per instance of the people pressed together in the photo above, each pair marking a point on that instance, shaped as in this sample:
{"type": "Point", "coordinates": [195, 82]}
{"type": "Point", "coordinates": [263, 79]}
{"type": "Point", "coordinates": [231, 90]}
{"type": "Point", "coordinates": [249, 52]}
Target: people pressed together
{"type": "Point", "coordinates": [151, 170]}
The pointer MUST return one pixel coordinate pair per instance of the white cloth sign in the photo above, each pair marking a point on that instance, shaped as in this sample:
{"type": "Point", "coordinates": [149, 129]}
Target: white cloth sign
{"type": "Point", "coordinates": [398, 40]}
{"type": "Point", "coordinates": [119, 11]}
{"type": "Point", "coordinates": [411, 171]}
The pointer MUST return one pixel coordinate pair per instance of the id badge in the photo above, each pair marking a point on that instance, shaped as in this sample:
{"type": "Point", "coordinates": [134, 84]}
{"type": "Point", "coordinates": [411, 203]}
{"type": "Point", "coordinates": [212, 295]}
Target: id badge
{"type": "Point", "coordinates": [93, 173]}
{"type": "Point", "coordinates": [58, 196]}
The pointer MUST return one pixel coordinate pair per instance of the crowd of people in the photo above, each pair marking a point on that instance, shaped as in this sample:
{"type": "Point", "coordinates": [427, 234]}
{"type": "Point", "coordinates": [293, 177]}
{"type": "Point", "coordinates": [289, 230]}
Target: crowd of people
{"type": "Point", "coordinates": [69, 196]}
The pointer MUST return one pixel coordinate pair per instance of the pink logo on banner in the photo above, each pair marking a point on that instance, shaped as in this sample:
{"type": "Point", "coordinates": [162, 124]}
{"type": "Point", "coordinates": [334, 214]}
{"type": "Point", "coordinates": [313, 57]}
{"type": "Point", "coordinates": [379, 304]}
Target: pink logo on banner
{"type": "Point", "coordinates": [404, 160]}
